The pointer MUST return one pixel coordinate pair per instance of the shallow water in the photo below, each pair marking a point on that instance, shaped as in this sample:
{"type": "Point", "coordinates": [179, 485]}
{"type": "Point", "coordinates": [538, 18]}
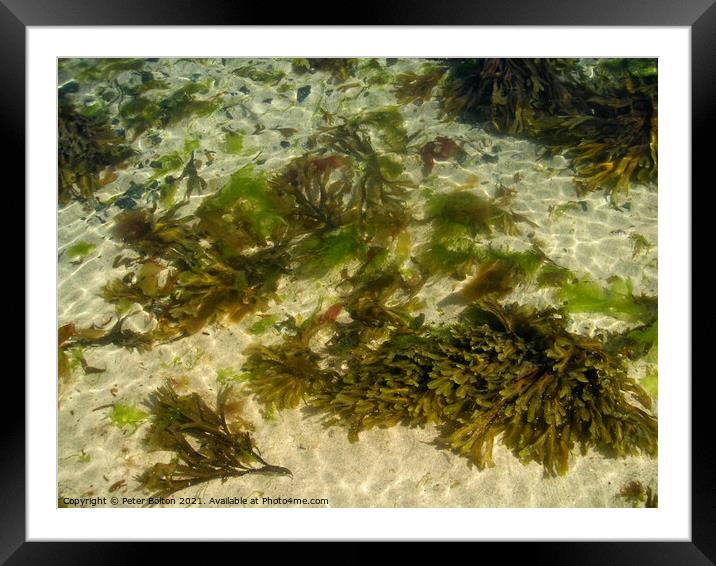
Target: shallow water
{"type": "Point", "coordinates": [393, 467]}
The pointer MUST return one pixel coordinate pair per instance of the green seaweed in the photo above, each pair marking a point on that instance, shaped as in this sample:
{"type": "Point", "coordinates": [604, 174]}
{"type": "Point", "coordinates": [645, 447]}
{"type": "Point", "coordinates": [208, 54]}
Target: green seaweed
{"type": "Point", "coordinates": [126, 416]}
{"type": "Point", "coordinates": [106, 68]}
{"type": "Point", "coordinates": [167, 163]}
{"type": "Point", "coordinates": [226, 375]}
{"type": "Point", "coordinates": [244, 211]}
{"type": "Point", "coordinates": [650, 382]}
{"type": "Point", "coordinates": [617, 300]}
{"type": "Point", "coordinates": [497, 275]}
{"type": "Point", "coordinates": [233, 142]}
{"type": "Point", "coordinates": [262, 324]}
{"type": "Point", "coordinates": [141, 113]}
{"type": "Point", "coordinates": [80, 250]}
{"type": "Point", "coordinates": [462, 213]}
{"type": "Point", "coordinates": [458, 218]}
{"type": "Point", "coordinates": [318, 254]}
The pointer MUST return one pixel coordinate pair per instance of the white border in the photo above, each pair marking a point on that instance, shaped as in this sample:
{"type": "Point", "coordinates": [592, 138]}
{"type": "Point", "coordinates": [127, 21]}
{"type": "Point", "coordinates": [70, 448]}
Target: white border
{"type": "Point", "coordinates": [671, 521]}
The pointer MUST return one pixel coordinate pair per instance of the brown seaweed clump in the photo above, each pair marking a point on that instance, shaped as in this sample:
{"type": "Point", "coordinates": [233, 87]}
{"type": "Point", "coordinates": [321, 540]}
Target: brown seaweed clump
{"type": "Point", "coordinates": [185, 283]}
{"type": "Point", "coordinates": [206, 446]}
{"type": "Point", "coordinates": [637, 495]}
{"type": "Point", "coordinates": [87, 145]}
{"type": "Point", "coordinates": [607, 123]}
{"type": "Point", "coordinates": [502, 372]}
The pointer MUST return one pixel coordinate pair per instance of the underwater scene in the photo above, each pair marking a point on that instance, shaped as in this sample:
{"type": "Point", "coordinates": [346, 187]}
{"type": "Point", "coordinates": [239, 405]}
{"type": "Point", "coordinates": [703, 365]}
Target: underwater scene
{"type": "Point", "coordinates": [357, 282]}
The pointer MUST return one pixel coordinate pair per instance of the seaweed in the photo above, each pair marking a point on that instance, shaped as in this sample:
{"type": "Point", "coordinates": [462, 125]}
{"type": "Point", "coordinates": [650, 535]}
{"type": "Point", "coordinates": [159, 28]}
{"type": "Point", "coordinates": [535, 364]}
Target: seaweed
{"type": "Point", "coordinates": [262, 324]}
{"type": "Point", "coordinates": [195, 296]}
{"type": "Point", "coordinates": [640, 245]}
{"type": "Point", "coordinates": [377, 194]}
{"type": "Point", "coordinates": [339, 68]}
{"type": "Point", "coordinates": [244, 212]}
{"type": "Point", "coordinates": [126, 416]}
{"type": "Point", "coordinates": [182, 104]}
{"type": "Point", "coordinates": [282, 376]}
{"type": "Point", "coordinates": [106, 68]}
{"type": "Point", "coordinates": [141, 113]}
{"type": "Point", "coordinates": [442, 149]}
{"type": "Point", "coordinates": [509, 94]}
{"type": "Point", "coordinates": [507, 371]}
{"type": "Point", "coordinates": [318, 254]}
{"type": "Point", "coordinates": [380, 301]}
{"type": "Point", "coordinates": [558, 210]}
{"type": "Point", "coordinates": [193, 180]}
{"type": "Point", "coordinates": [166, 164]}
{"type": "Point", "coordinates": [318, 186]}
{"type": "Point", "coordinates": [226, 375]}
{"type": "Point", "coordinates": [207, 273]}
{"type": "Point", "coordinates": [64, 335]}
{"type": "Point", "coordinates": [641, 343]}
{"type": "Point", "coordinates": [457, 219]}
{"type": "Point", "coordinates": [78, 251]}
{"type": "Point", "coordinates": [206, 446]}
{"type": "Point", "coordinates": [618, 142]}
{"type": "Point", "coordinates": [86, 146]}
{"type": "Point", "coordinates": [498, 274]}
{"type": "Point", "coordinates": [617, 300]}
{"type": "Point", "coordinates": [233, 142]}
{"type": "Point", "coordinates": [389, 121]}
{"type": "Point", "coordinates": [608, 124]}
{"type": "Point", "coordinates": [416, 88]}
{"type": "Point", "coordinates": [117, 333]}
{"type": "Point", "coordinates": [463, 213]}
{"type": "Point", "coordinates": [260, 75]}
{"type": "Point", "coordinates": [637, 495]}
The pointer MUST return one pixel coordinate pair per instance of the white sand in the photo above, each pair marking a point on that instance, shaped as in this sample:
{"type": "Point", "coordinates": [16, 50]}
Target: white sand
{"type": "Point", "coordinates": [397, 467]}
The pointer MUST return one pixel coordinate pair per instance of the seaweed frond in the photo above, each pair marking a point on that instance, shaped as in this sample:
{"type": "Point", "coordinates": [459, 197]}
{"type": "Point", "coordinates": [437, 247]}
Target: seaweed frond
{"type": "Point", "coordinates": [617, 300]}
{"type": "Point", "coordinates": [340, 68]}
{"type": "Point", "coordinates": [457, 219]}
{"type": "Point", "coordinates": [206, 446]}
{"type": "Point", "coordinates": [416, 88]}
{"type": "Point", "coordinates": [87, 145]}
{"type": "Point", "coordinates": [282, 376]}
{"type": "Point", "coordinates": [319, 186]}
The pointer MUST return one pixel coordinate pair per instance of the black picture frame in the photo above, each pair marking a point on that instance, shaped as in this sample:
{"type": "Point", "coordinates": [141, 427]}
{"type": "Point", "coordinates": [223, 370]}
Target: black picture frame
{"type": "Point", "coordinates": [699, 15]}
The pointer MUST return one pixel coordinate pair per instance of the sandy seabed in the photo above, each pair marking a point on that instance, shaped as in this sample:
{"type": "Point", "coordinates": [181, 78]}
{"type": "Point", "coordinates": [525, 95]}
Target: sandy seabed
{"type": "Point", "coordinates": [397, 467]}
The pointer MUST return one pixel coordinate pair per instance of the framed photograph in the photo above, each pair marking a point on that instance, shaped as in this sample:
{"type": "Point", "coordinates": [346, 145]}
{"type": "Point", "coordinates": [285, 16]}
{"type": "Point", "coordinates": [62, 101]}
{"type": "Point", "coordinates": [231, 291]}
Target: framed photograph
{"type": "Point", "coordinates": [388, 281]}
